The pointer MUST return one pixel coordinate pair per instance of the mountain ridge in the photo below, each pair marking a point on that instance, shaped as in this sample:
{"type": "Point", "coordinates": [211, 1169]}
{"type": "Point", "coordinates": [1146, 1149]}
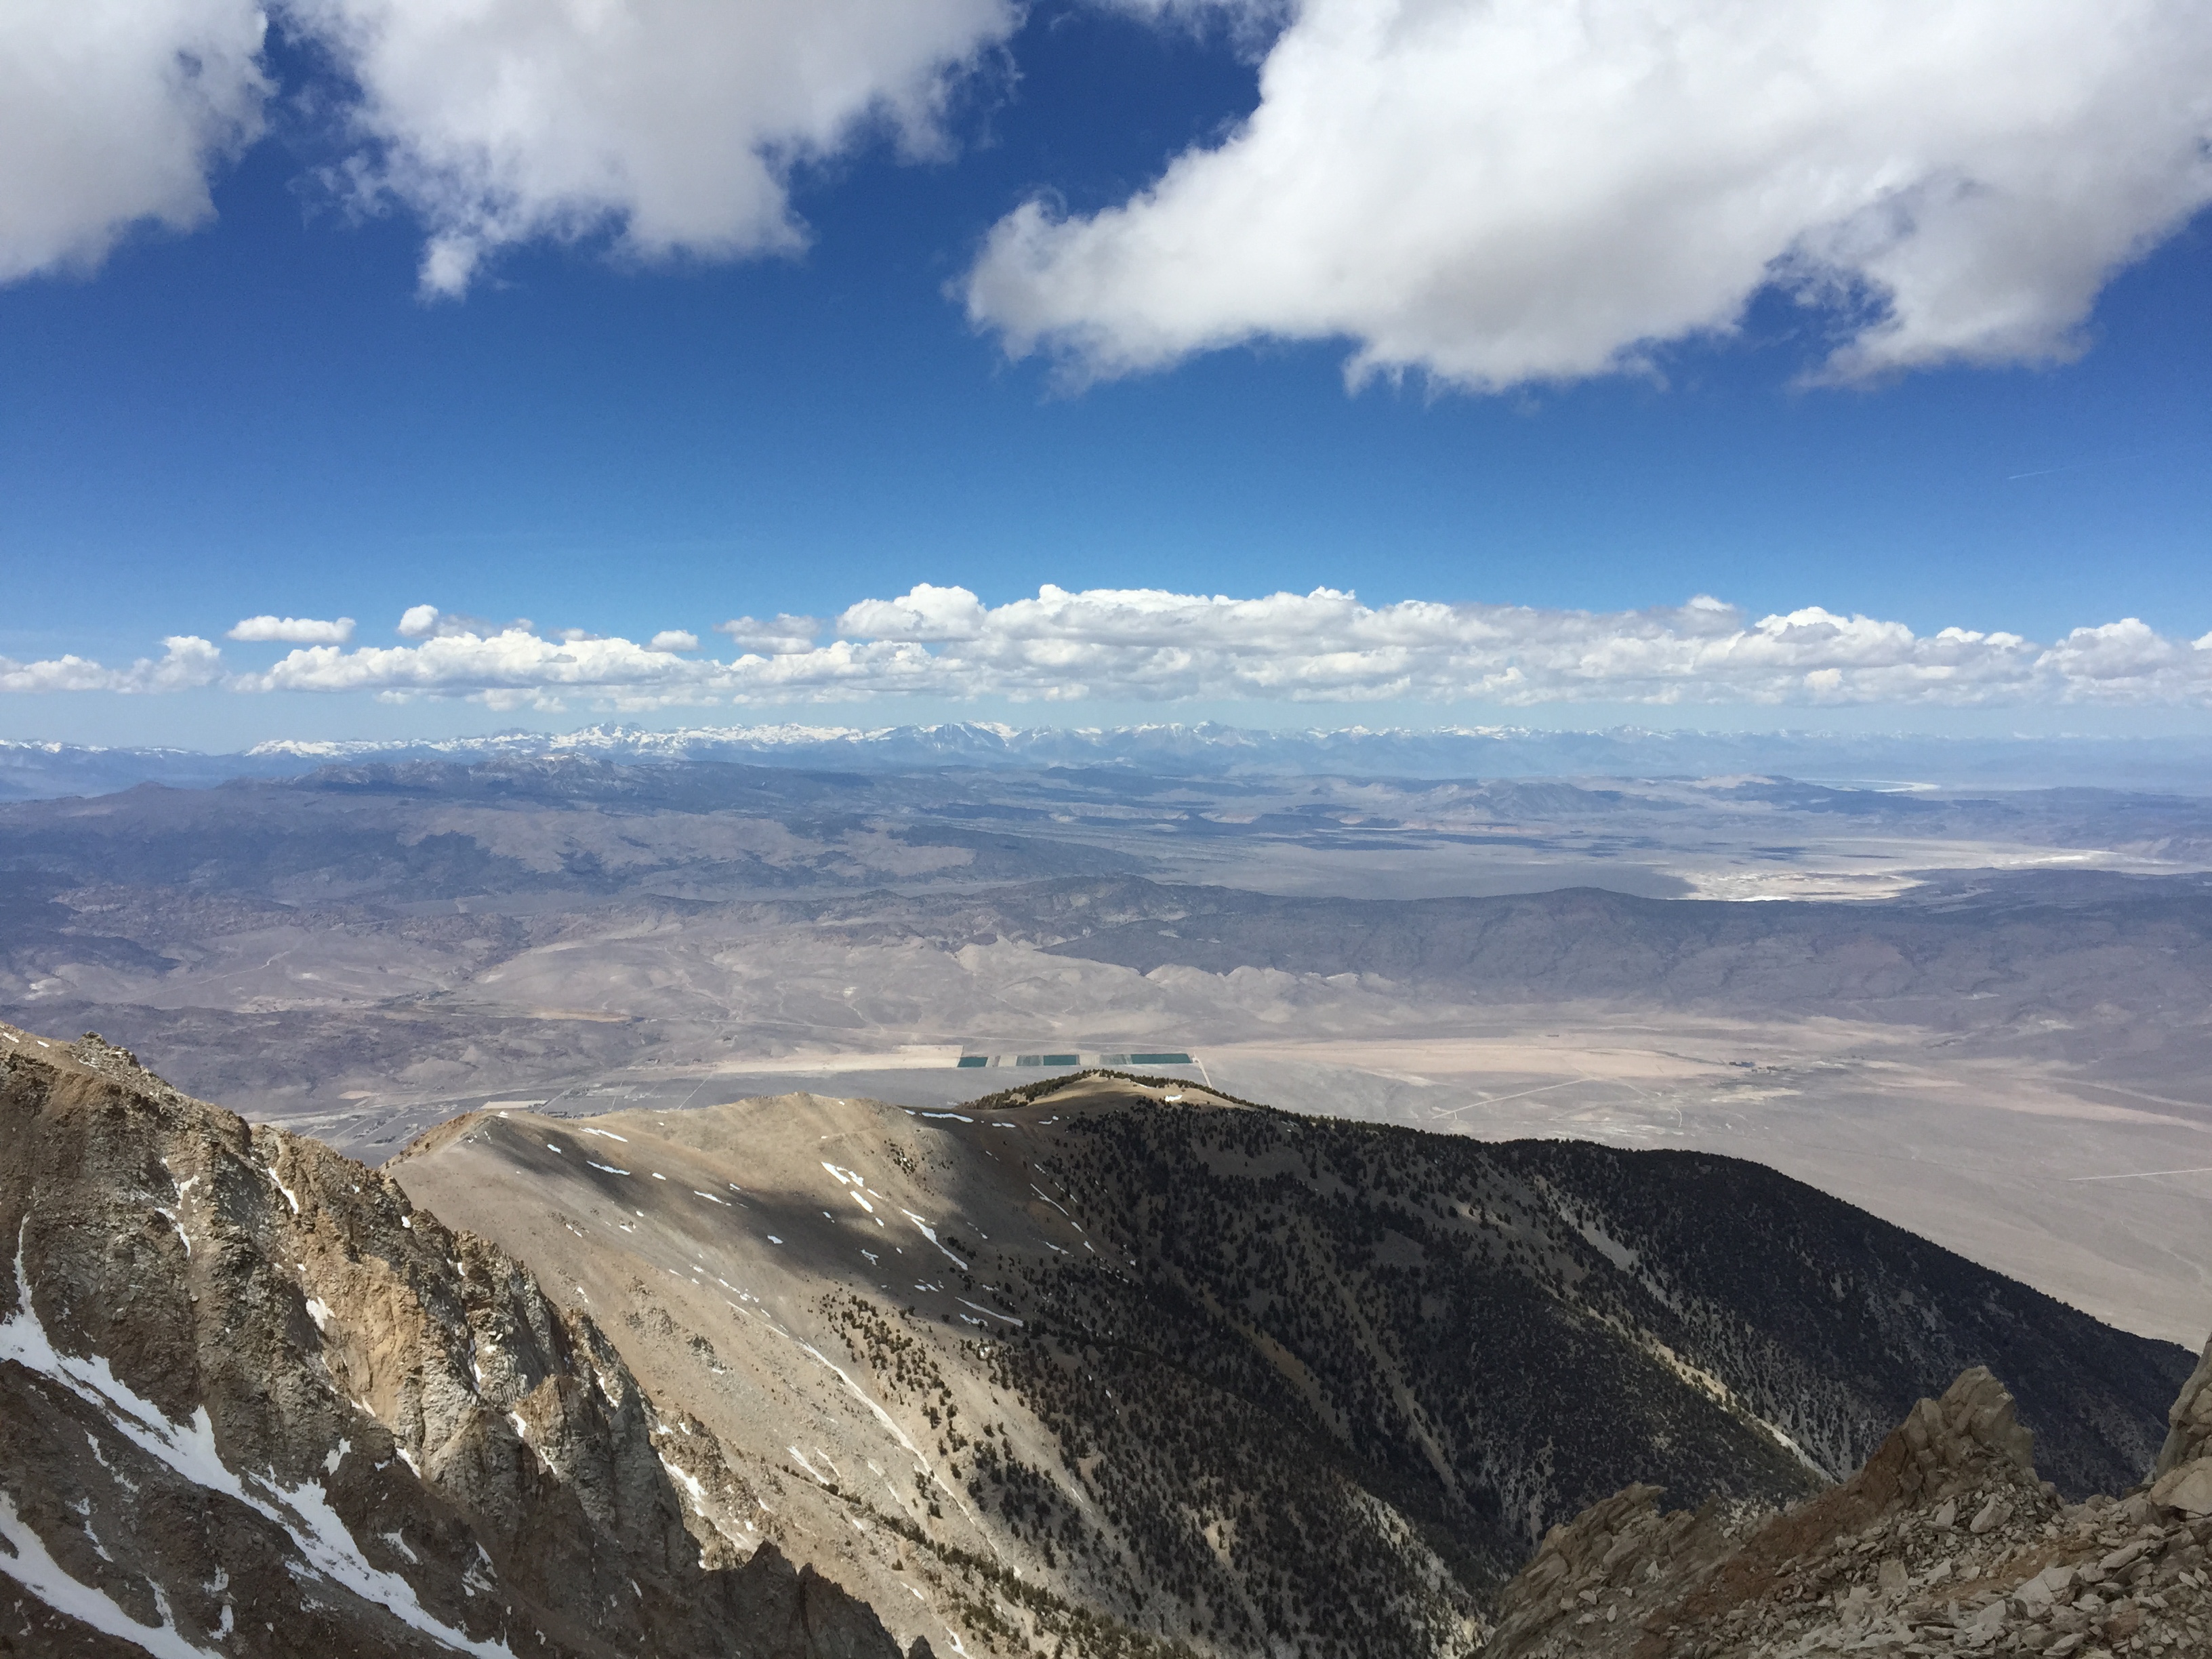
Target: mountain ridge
{"type": "Point", "coordinates": [1178, 1323]}
{"type": "Point", "coordinates": [31, 769]}
{"type": "Point", "coordinates": [1945, 1541]}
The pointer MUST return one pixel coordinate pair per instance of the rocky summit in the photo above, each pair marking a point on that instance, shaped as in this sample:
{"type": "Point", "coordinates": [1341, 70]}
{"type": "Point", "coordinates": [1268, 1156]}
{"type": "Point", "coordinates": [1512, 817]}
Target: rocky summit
{"type": "Point", "coordinates": [1945, 1542]}
{"type": "Point", "coordinates": [1113, 1366]}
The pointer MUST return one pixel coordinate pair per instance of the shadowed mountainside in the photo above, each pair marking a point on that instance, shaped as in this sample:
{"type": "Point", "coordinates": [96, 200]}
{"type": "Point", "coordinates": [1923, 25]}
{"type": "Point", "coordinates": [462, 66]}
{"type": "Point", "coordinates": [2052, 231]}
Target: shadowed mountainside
{"type": "Point", "coordinates": [1236, 1378]}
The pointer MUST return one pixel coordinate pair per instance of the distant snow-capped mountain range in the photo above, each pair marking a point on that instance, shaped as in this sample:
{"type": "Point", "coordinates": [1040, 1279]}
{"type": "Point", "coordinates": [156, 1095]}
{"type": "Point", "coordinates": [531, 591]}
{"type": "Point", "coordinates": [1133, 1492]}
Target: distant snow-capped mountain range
{"type": "Point", "coordinates": [35, 770]}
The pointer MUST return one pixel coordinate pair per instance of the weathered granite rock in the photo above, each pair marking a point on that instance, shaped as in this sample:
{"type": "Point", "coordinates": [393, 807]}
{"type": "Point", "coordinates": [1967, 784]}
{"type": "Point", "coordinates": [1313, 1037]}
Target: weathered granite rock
{"type": "Point", "coordinates": [2183, 1479]}
{"type": "Point", "coordinates": [1944, 1542]}
{"type": "Point", "coordinates": [252, 1400]}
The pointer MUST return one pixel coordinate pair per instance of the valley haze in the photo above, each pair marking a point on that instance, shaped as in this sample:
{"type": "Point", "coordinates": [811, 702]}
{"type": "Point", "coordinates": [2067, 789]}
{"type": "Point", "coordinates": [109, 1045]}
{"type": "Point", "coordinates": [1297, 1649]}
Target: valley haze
{"type": "Point", "coordinates": [1942, 984]}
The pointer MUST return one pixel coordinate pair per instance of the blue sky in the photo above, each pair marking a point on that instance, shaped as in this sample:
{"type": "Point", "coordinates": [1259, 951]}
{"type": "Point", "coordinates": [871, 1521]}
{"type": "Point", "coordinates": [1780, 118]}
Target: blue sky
{"type": "Point", "coordinates": [263, 414]}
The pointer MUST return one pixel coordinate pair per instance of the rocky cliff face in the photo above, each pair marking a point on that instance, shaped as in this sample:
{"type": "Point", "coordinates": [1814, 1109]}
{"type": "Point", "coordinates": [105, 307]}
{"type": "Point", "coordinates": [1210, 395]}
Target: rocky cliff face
{"type": "Point", "coordinates": [253, 1401]}
{"type": "Point", "coordinates": [1944, 1542]}
{"type": "Point", "coordinates": [2184, 1475]}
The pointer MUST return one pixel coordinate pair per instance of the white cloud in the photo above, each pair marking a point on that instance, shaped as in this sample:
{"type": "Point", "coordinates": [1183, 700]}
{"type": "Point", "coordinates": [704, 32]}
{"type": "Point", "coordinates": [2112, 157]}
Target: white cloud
{"type": "Point", "coordinates": [112, 112]}
{"type": "Point", "coordinates": [1326, 646]}
{"type": "Point", "coordinates": [1503, 191]}
{"type": "Point", "coordinates": [187, 662]}
{"type": "Point", "coordinates": [506, 668]}
{"type": "Point", "coordinates": [1148, 645]}
{"type": "Point", "coordinates": [925, 613]}
{"type": "Point", "coordinates": [423, 621]}
{"type": "Point", "coordinates": [672, 123]}
{"type": "Point", "coordinates": [674, 639]}
{"type": "Point", "coordinates": [293, 630]}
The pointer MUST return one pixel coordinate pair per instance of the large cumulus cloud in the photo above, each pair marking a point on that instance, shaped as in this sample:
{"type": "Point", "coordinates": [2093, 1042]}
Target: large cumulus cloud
{"type": "Point", "coordinates": [1150, 645]}
{"type": "Point", "coordinates": [112, 112]}
{"type": "Point", "coordinates": [1493, 191]}
{"type": "Point", "coordinates": [669, 125]}
{"type": "Point", "coordinates": [672, 123]}
{"type": "Point", "coordinates": [1497, 191]}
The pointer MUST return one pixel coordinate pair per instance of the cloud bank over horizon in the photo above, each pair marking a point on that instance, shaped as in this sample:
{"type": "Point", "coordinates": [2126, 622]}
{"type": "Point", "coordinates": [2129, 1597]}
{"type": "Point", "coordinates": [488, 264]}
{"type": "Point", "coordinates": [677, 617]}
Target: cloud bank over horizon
{"type": "Point", "coordinates": [1150, 645]}
{"type": "Point", "coordinates": [1500, 192]}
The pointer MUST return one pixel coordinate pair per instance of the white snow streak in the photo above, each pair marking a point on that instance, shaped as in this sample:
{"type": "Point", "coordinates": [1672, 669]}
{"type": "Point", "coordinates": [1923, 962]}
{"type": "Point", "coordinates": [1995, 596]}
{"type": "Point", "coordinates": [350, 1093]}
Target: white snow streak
{"type": "Point", "coordinates": [929, 1233]}
{"type": "Point", "coordinates": [37, 1571]}
{"type": "Point", "coordinates": [189, 1449]}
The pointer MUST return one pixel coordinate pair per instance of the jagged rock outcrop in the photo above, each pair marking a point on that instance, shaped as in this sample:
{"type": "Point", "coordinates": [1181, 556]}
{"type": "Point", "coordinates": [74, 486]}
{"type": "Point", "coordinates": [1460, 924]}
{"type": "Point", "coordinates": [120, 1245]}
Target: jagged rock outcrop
{"type": "Point", "coordinates": [1944, 1542]}
{"type": "Point", "coordinates": [252, 1400]}
{"type": "Point", "coordinates": [2183, 1479]}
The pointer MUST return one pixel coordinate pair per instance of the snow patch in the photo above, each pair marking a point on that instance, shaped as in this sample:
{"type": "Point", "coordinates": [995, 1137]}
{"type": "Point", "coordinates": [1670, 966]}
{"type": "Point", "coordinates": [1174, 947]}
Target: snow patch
{"type": "Point", "coordinates": [1608, 1246]}
{"type": "Point", "coordinates": [99, 1456]}
{"type": "Point", "coordinates": [189, 1449]}
{"type": "Point", "coordinates": [929, 1233]}
{"type": "Point", "coordinates": [689, 1483]}
{"type": "Point", "coordinates": [38, 1571]}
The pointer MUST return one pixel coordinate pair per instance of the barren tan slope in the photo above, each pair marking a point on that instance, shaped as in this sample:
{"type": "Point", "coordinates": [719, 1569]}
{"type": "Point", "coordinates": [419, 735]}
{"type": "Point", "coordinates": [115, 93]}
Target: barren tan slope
{"type": "Point", "coordinates": [723, 1249]}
